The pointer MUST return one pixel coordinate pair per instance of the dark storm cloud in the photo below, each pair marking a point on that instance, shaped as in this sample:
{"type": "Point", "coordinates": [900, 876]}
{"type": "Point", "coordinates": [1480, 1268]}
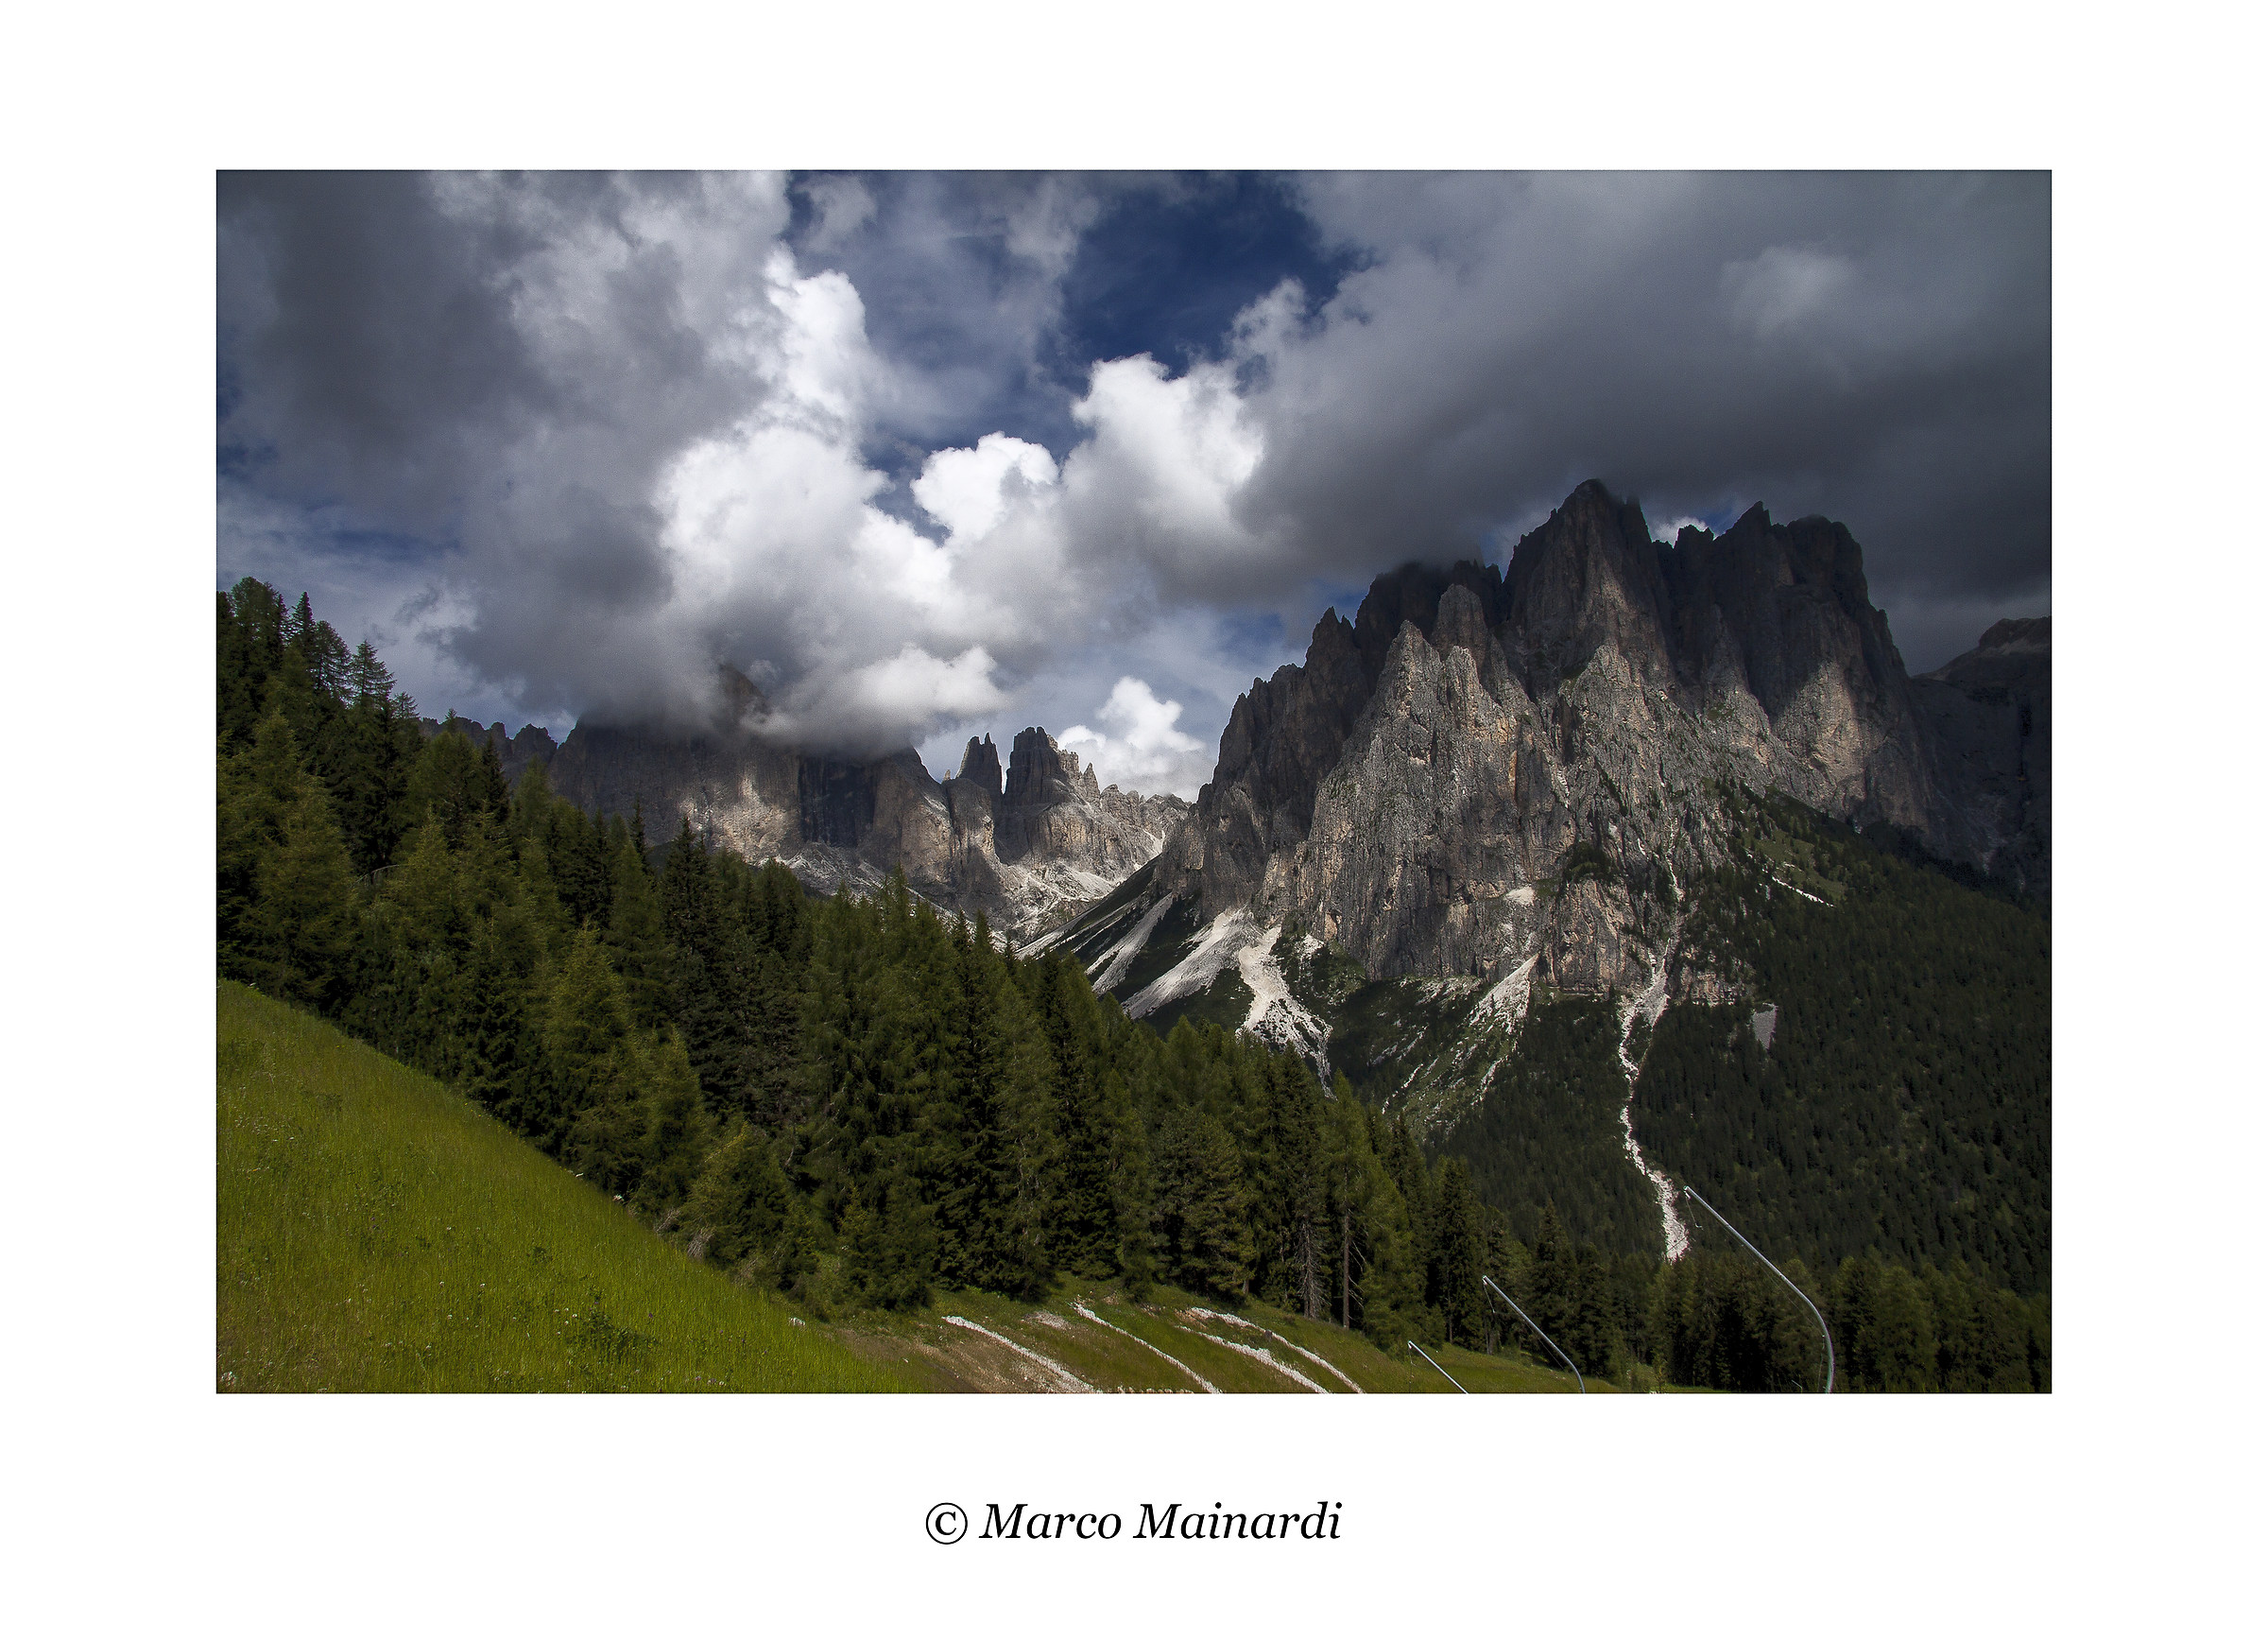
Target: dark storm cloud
{"type": "Point", "coordinates": [1871, 347]}
{"type": "Point", "coordinates": [916, 449]}
{"type": "Point", "coordinates": [505, 368]}
{"type": "Point", "coordinates": [365, 341]}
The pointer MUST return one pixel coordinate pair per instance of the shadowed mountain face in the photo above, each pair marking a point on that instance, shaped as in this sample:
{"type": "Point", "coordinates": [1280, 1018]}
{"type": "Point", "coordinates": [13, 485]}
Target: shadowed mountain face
{"type": "Point", "coordinates": [1028, 852]}
{"type": "Point", "coordinates": [1987, 713]}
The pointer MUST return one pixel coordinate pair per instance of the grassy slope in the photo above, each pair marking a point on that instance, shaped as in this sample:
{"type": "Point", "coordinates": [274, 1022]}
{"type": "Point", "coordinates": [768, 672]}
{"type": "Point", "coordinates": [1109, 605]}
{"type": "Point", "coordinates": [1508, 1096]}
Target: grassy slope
{"type": "Point", "coordinates": [378, 1233]}
{"type": "Point", "coordinates": [947, 1358]}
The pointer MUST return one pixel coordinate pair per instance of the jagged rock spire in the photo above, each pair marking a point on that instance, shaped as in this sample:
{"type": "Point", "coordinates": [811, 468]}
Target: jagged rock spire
{"type": "Point", "coordinates": [980, 764]}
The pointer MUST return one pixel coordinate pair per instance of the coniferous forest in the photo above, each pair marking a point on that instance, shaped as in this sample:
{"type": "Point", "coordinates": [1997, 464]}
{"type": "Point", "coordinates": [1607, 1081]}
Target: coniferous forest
{"type": "Point", "coordinates": [1902, 1107]}
{"type": "Point", "coordinates": [864, 1103]}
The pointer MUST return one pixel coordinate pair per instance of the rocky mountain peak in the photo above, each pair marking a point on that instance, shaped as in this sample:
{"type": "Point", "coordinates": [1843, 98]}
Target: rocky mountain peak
{"type": "Point", "coordinates": [1413, 792]}
{"type": "Point", "coordinates": [2023, 634]}
{"type": "Point", "coordinates": [1028, 850]}
{"type": "Point", "coordinates": [1038, 770]}
{"type": "Point", "coordinates": [1990, 715]}
{"type": "Point", "coordinates": [1460, 622]}
{"type": "Point", "coordinates": [981, 764]}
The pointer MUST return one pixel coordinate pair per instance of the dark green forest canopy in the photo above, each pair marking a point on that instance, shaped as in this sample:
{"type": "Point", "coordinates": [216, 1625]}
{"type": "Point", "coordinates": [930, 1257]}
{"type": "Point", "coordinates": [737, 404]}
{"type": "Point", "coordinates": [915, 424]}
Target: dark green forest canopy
{"type": "Point", "coordinates": [862, 1102]}
{"type": "Point", "coordinates": [1902, 1109]}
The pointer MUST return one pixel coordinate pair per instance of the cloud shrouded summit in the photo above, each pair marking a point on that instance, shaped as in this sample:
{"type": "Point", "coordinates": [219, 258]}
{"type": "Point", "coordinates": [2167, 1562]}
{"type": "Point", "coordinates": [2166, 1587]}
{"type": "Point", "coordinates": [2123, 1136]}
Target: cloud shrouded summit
{"type": "Point", "coordinates": [563, 443]}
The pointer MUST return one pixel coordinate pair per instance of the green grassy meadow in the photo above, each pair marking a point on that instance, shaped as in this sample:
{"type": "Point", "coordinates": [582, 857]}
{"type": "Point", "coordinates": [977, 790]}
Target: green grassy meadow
{"type": "Point", "coordinates": [1123, 1346]}
{"type": "Point", "coordinates": [378, 1233]}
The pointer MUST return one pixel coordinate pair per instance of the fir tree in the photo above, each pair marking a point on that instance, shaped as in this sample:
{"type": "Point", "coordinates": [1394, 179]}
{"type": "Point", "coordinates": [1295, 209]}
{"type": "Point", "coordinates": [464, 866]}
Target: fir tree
{"type": "Point", "coordinates": [588, 1027]}
{"type": "Point", "coordinates": [303, 918]}
{"type": "Point", "coordinates": [740, 1209]}
{"type": "Point", "coordinates": [1453, 1286]}
{"type": "Point", "coordinates": [1204, 1237]}
{"type": "Point", "coordinates": [677, 1130]}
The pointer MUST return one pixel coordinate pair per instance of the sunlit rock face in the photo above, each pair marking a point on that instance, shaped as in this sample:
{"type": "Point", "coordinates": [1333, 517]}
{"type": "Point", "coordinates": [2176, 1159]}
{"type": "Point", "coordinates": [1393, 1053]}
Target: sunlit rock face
{"type": "Point", "coordinates": [1488, 770]}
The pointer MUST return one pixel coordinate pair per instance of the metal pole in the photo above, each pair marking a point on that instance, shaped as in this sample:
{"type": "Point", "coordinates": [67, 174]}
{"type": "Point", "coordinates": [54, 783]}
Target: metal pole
{"type": "Point", "coordinates": [1438, 1367]}
{"type": "Point", "coordinates": [1792, 1289]}
{"type": "Point", "coordinates": [1580, 1388]}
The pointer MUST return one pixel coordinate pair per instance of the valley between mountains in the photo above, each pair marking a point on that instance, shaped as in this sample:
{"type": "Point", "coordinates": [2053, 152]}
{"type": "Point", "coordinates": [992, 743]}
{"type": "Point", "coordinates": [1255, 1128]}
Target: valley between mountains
{"type": "Point", "coordinates": [1532, 897]}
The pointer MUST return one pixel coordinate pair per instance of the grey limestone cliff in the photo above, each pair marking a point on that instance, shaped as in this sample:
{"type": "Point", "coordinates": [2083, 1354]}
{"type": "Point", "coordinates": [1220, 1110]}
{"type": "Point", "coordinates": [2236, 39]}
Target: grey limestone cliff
{"type": "Point", "coordinates": [1028, 851]}
{"type": "Point", "coordinates": [1503, 779]}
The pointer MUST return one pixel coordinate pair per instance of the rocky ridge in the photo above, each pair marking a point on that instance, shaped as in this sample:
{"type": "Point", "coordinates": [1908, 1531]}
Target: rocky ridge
{"type": "Point", "coordinates": [1028, 849]}
{"type": "Point", "coordinates": [1491, 780]}
{"type": "Point", "coordinates": [1988, 714]}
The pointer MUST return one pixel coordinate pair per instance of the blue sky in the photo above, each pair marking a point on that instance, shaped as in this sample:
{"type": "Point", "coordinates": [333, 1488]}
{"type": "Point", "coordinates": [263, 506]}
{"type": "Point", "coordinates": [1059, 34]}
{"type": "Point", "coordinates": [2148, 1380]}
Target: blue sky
{"type": "Point", "coordinates": [935, 455]}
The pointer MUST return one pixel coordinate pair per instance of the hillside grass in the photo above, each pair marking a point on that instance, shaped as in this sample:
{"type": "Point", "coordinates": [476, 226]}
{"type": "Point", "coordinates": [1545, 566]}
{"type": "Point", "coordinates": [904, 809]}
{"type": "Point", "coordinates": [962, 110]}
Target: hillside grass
{"type": "Point", "coordinates": [1113, 1359]}
{"type": "Point", "coordinates": [379, 1233]}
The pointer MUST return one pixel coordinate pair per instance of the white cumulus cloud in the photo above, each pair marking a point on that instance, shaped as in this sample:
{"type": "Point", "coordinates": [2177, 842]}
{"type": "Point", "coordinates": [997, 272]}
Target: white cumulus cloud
{"type": "Point", "coordinates": [1138, 747]}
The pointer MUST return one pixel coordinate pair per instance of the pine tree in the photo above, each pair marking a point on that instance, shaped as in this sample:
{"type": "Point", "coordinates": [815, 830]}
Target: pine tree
{"type": "Point", "coordinates": [1353, 1181]}
{"type": "Point", "coordinates": [1100, 1192]}
{"type": "Point", "coordinates": [304, 916]}
{"type": "Point", "coordinates": [1550, 1293]}
{"type": "Point", "coordinates": [1204, 1235]}
{"type": "Point", "coordinates": [740, 1209]}
{"type": "Point", "coordinates": [1896, 1348]}
{"type": "Point", "coordinates": [499, 1051]}
{"type": "Point", "coordinates": [637, 941]}
{"type": "Point", "coordinates": [990, 1139]}
{"type": "Point", "coordinates": [678, 1129]}
{"type": "Point", "coordinates": [586, 1030]}
{"type": "Point", "coordinates": [252, 619]}
{"type": "Point", "coordinates": [1455, 1278]}
{"type": "Point", "coordinates": [257, 788]}
{"type": "Point", "coordinates": [889, 1249]}
{"type": "Point", "coordinates": [1292, 1185]}
{"type": "Point", "coordinates": [380, 748]}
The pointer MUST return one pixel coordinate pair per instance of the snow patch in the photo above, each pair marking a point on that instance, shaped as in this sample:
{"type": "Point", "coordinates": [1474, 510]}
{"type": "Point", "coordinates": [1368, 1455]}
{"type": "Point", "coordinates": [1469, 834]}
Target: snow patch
{"type": "Point", "coordinates": [1277, 1016]}
{"type": "Point", "coordinates": [1262, 1354]}
{"type": "Point", "coordinates": [1453, 986]}
{"type": "Point", "coordinates": [1792, 889]}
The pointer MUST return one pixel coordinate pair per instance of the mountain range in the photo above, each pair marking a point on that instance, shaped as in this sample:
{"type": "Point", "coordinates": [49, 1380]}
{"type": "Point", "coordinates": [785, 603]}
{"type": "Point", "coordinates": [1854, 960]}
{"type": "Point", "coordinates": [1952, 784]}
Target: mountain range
{"type": "Point", "coordinates": [1491, 790]}
{"type": "Point", "coordinates": [1028, 847]}
{"type": "Point", "coordinates": [1491, 831]}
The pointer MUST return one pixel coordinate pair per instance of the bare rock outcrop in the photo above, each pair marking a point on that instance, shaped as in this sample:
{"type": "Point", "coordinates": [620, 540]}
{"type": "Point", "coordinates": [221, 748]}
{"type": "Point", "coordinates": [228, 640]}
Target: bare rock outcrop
{"type": "Point", "coordinates": [1988, 712]}
{"type": "Point", "coordinates": [1487, 773]}
{"type": "Point", "coordinates": [1029, 850]}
